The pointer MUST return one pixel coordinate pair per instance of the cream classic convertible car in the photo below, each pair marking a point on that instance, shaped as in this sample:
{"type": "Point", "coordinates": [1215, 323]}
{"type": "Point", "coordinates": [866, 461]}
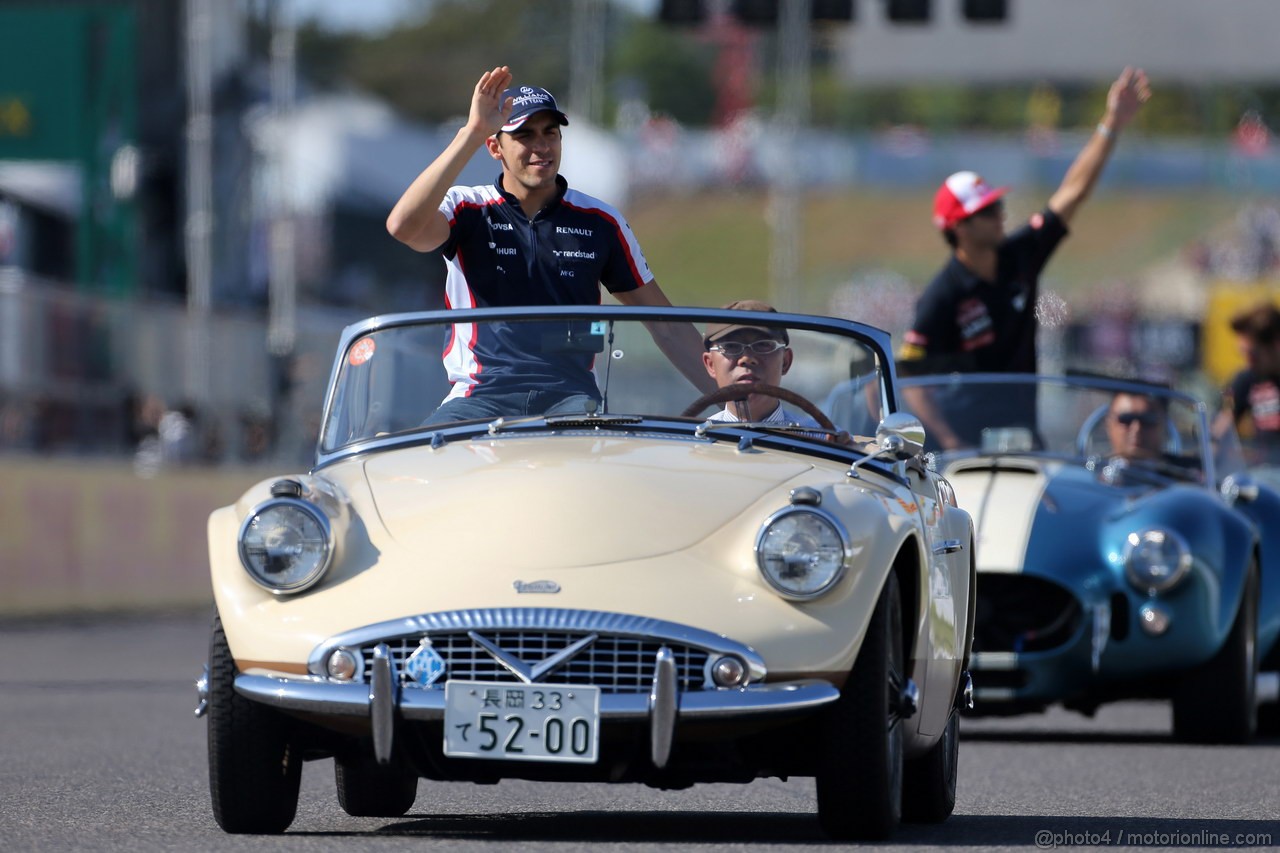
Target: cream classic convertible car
{"type": "Point", "coordinates": [605, 577]}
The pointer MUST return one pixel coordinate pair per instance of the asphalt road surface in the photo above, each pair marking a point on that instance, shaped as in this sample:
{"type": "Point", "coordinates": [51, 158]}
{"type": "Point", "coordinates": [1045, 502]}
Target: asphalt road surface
{"type": "Point", "coordinates": [99, 750]}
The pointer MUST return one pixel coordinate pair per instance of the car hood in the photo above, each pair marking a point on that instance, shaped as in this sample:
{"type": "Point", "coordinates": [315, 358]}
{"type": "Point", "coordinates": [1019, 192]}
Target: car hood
{"type": "Point", "coordinates": [563, 501]}
{"type": "Point", "coordinates": [1024, 507]}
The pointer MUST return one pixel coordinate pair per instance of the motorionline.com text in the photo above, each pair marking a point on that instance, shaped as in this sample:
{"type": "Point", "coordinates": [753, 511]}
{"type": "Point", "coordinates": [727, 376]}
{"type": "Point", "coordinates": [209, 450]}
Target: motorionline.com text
{"type": "Point", "coordinates": [1048, 839]}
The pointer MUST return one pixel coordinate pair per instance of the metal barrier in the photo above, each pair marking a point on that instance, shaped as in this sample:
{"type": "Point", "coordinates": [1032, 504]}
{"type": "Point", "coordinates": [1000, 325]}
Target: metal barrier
{"type": "Point", "coordinates": [90, 535]}
{"type": "Point", "coordinates": [81, 374]}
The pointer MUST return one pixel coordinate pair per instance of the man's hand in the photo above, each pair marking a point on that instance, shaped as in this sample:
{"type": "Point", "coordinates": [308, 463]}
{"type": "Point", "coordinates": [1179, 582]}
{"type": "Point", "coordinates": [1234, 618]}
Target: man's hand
{"type": "Point", "coordinates": [416, 219]}
{"type": "Point", "coordinates": [488, 111]}
{"type": "Point", "coordinates": [1126, 96]}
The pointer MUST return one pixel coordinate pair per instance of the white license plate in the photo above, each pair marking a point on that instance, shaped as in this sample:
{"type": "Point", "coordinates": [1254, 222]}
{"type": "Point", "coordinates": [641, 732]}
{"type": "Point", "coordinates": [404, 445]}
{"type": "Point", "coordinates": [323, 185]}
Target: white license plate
{"type": "Point", "coordinates": [521, 722]}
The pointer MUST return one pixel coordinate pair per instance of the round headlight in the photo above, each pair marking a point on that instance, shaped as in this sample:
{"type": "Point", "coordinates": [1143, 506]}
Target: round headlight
{"type": "Point", "coordinates": [1156, 560]}
{"type": "Point", "coordinates": [285, 545]}
{"type": "Point", "coordinates": [801, 552]}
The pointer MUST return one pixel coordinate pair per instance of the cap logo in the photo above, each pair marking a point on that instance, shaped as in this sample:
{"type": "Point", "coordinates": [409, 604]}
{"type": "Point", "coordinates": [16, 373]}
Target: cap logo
{"type": "Point", "coordinates": [528, 100]}
{"type": "Point", "coordinates": [530, 96]}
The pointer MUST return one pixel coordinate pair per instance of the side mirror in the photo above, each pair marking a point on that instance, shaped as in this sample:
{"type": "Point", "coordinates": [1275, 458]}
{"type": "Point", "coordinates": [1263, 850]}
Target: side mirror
{"type": "Point", "coordinates": [1239, 488]}
{"type": "Point", "coordinates": [901, 436]}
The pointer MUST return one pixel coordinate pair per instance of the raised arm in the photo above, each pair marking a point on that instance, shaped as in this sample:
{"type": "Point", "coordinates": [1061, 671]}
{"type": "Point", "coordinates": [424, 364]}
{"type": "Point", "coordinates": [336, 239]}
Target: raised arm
{"type": "Point", "coordinates": [679, 342]}
{"type": "Point", "coordinates": [1127, 94]}
{"type": "Point", "coordinates": [416, 219]}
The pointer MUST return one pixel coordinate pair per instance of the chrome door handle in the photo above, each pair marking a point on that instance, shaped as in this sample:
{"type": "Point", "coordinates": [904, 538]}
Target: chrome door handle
{"type": "Point", "coordinates": [948, 546]}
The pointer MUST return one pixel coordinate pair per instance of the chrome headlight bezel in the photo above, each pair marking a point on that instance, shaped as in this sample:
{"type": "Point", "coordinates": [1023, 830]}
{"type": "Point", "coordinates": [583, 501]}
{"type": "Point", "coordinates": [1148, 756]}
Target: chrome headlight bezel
{"type": "Point", "coordinates": [1138, 559]}
{"type": "Point", "coordinates": [309, 513]}
{"type": "Point", "coordinates": [826, 521]}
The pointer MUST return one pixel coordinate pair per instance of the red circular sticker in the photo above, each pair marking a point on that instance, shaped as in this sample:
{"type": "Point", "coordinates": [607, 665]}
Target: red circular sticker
{"type": "Point", "coordinates": [361, 351]}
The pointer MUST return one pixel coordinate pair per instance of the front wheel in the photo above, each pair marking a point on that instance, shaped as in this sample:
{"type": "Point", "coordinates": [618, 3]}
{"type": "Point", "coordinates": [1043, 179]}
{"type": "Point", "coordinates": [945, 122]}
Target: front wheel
{"type": "Point", "coordinates": [929, 782]}
{"type": "Point", "coordinates": [254, 771]}
{"type": "Point", "coordinates": [1269, 719]}
{"type": "Point", "coordinates": [859, 778]}
{"type": "Point", "coordinates": [1217, 702]}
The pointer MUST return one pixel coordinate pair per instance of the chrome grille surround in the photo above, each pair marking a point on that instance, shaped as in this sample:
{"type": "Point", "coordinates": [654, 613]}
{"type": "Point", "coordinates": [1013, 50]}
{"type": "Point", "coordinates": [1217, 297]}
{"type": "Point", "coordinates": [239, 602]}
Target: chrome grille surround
{"type": "Point", "coordinates": [620, 659]}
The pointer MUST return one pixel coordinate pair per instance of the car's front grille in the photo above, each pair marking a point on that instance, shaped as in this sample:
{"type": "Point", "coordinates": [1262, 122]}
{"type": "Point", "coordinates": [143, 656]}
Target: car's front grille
{"type": "Point", "coordinates": [999, 679]}
{"type": "Point", "coordinates": [615, 664]}
{"type": "Point", "coordinates": [1020, 613]}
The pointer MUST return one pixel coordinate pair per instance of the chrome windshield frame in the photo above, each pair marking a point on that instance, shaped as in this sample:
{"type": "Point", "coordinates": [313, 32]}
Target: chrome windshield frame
{"type": "Point", "coordinates": [874, 339]}
{"type": "Point", "coordinates": [1084, 381]}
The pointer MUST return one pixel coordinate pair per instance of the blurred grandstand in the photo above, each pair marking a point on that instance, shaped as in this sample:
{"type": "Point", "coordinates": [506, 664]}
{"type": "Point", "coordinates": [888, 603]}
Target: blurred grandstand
{"type": "Point", "coordinates": [184, 219]}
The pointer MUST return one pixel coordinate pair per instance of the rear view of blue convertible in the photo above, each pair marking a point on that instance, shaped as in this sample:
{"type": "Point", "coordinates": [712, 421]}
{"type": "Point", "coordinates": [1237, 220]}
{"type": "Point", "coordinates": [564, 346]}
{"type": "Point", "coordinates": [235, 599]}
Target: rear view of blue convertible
{"type": "Point", "coordinates": [1123, 552]}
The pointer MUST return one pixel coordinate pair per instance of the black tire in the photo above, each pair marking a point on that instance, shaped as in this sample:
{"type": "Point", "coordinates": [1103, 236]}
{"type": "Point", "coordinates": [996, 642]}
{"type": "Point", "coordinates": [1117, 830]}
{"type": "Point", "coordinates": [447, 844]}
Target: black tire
{"type": "Point", "coordinates": [254, 774]}
{"type": "Point", "coordinates": [859, 777]}
{"type": "Point", "coordinates": [929, 782]}
{"type": "Point", "coordinates": [1269, 719]}
{"type": "Point", "coordinates": [1217, 702]}
{"type": "Point", "coordinates": [369, 789]}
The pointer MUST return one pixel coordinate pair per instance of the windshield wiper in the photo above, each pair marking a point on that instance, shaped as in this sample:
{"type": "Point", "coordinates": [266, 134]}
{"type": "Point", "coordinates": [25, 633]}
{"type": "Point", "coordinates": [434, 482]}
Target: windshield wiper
{"type": "Point", "coordinates": [584, 420]}
{"type": "Point", "coordinates": [790, 428]}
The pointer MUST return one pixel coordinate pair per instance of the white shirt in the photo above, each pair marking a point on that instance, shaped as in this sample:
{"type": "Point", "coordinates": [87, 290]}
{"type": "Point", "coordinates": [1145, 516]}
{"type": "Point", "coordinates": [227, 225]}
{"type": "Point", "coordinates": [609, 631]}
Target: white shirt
{"type": "Point", "coordinates": [780, 415]}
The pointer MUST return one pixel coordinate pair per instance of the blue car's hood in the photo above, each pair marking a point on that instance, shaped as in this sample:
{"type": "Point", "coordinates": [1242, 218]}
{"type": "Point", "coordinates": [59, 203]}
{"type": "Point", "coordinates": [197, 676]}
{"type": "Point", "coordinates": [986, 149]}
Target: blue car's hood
{"type": "Point", "coordinates": [1029, 513]}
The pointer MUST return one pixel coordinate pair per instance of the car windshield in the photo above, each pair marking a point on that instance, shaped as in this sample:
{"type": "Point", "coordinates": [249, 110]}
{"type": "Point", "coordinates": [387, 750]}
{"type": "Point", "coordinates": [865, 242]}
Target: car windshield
{"type": "Point", "coordinates": [393, 373]}
{"type": "Point", "coordinates": [1139, 425]}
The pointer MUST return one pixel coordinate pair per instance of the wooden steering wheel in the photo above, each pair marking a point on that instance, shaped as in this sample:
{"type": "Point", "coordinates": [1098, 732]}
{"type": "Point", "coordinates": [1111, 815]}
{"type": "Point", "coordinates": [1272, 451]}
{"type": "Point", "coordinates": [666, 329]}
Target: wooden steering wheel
{"type": "Point", "coordinates": [743, 390]}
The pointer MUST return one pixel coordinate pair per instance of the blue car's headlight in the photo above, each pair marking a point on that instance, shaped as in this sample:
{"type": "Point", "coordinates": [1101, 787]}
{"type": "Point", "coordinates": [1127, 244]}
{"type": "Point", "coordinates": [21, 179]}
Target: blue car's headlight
{"type": "Point", "coordinates": [286, 544]}
{"type": "Point", "coordinates": [1156, 560]}
{"type": "Point", "coordinates": [802, 551]}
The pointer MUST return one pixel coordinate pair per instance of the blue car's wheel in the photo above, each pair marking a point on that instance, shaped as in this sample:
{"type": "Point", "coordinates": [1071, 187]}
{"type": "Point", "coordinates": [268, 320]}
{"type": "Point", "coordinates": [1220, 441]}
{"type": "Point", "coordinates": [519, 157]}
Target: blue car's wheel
{"type": "Point", "coordinates": [1269, 719]}
{"type": "Point", "coordinates": [1217, 702]}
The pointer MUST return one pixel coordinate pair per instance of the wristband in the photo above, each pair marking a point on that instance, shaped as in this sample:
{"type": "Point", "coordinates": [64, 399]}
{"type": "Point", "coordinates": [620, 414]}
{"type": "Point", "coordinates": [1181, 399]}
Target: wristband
{"type": "Point", "coordinates": [1104, 130]}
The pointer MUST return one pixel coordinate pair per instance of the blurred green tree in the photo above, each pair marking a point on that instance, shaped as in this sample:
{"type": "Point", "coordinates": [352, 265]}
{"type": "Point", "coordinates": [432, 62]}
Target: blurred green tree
{"type": "Point", "coordinates": [671, 69]}
{"type": "Point", "coordinates": [427, 69]}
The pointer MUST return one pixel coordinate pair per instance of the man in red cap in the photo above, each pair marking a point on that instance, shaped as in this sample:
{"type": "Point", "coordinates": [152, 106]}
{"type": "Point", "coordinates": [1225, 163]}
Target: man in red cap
{"type": "Point", "coordinates": [978, 313]}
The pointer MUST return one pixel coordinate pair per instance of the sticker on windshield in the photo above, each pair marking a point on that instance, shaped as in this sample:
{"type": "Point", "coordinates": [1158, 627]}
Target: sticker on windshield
{"type": "Point", "coordinates": [598, 327]}
{"type": "Point", "coordinates": [361, 351]}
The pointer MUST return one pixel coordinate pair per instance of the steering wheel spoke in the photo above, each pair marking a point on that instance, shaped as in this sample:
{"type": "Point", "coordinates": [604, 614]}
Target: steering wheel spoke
{"type": "Point", "coordinates": [733, 393]}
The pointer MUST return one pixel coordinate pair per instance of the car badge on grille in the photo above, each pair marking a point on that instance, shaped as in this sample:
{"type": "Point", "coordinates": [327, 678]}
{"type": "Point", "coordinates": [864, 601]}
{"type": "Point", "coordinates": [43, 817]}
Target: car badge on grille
{"type": "Point", "coordinates": [536, 586]}
{"type": "Point", "coordinates": [525, 671]}
{"type": "Point", "coordinates": [425, 665]}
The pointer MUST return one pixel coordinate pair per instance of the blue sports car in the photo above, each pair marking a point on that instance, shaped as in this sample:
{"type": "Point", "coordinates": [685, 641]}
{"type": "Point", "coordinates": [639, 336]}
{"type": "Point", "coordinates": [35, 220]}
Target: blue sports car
{"type": "Point", "coordinates": [1123, 550]}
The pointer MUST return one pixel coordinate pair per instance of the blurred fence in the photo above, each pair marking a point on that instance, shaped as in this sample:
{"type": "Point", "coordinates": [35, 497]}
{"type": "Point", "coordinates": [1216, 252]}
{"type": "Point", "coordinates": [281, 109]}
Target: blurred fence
{"type": "Point", "coordinates": [667, 156]}
{"type": "Point", "coordinates": [92, 376]}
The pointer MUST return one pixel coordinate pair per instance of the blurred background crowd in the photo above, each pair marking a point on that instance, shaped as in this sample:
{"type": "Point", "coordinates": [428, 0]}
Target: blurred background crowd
{"type": "Point", "coordinates": [193, 192]}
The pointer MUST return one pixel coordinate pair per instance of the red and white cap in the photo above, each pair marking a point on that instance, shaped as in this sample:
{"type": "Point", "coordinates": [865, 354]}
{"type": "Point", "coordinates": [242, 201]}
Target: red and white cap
{"type": "Point", "coordinates": [962, 195]}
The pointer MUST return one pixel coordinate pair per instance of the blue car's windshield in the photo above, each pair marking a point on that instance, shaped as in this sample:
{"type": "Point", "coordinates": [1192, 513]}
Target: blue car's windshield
{"type": "Point", "coordinates": [1142, 425]}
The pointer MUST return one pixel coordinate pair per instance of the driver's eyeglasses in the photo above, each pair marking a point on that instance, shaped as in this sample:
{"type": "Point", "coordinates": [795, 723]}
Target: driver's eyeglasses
{"type": "Point", "coordinates": [735, 349]}
{"type": "Point", "coordinates": [1146, 419]}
